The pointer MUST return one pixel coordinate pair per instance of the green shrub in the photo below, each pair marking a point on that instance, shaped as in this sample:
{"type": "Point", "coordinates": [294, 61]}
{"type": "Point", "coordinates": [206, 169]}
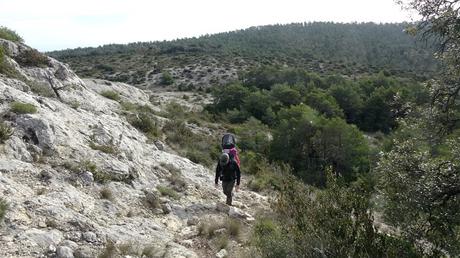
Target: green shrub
{"type": "Point", "coordinates": [208, 229]}
{"type": "Point", "coordinates": [3, 209]}
{"type": "Point", "coordinates": [146, 124]}
{"type": "Point", "coordinates": [106, 193]}
{"type": "Point", "coordinates": [166, 79]}
{"type": "Point", "coordinates": [9, 34]}
{"type": "Point", "coordinates": [109, 149]}
{"type": "Point", "coordinates": [167, 191]}
{"type": "Point", "coordinates": [152, 200]}
{"type": "Point", "coordinates": [5, 132]}
{"type": "Point", "coordinates": [149, 251]}
{"type": "Point", "coordinates": [269, 240]}
{"type": "Point", "coordinates": [22, 108]}
{"type": "Point", "coordinates": [74, 104]}
{"type": "Point", "coordinates": [176, 179]}
{"type": "Point", "coordinates": [33, 58]}
{"type": "Point", "coordinates": [233, 227]}
{"type": "Point", "coordinates": [109, 251]}
{"type": "Point", "coordinates": [41, 89]}
{"type": "Point", "coordinates": [222, 241]}
{"type": "Point", "coordinates": [110, 94]}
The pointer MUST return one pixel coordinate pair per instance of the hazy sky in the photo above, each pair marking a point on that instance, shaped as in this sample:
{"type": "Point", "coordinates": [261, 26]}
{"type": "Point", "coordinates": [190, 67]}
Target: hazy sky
{"type": "Point", "coordinates": [59, 24]}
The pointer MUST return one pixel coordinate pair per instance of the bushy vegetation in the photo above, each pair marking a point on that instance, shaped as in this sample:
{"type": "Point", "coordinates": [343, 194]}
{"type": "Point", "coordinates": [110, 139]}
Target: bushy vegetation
{"type": "Point", "coordinates": [145, 123]}
{"type": "Point", "coordinates": [168, 191]}
{"type": "Point", "coordinates": [5, 131]}
{"type": "Point", "coordinates": [31, 57]}
{"type": "Point", "coordinates": [106, 148]}
{"type": "Point", "coordinates": [197, 146]}
{"type": "Point", "coordinates": [3, 208]}
{"type": "Point", "coordinates": [106, 193]}
{"type": "Point", "coordinates": [111, 94]}
{"type": "Point", "coordinates": [5, 67]}
{"type": "Point", "coordinates": [166, 78]}
{"type": "Point", "coordinates": [22, 108]}
{"type": "Point", "coordinates": [334, 222]}
{"type": "Point", "coordinates": [9, 34]}
{"type": "Point", "coordinates": [323, 47]}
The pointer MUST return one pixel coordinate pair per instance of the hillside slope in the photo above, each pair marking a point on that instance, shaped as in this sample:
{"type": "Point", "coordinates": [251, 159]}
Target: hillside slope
{"type": "Point", "coordinates": [348, 49]}
{"type": "Point", "coordinates": [80, 181]}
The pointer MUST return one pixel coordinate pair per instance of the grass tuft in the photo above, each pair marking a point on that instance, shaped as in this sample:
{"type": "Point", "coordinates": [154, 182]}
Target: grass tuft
{"type": "Point", "coordinates": [22, 108]}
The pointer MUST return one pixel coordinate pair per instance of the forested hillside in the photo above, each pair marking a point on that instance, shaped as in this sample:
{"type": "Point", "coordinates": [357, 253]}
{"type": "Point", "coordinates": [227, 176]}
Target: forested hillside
{"type": "Point", "coordinates": [326, 48]}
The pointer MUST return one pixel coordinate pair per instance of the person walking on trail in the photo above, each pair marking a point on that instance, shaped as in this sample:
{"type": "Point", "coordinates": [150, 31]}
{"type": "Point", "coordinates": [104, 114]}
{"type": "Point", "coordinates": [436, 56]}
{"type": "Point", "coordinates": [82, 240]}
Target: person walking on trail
{"type": "Point", "coordinates": [228, 172]}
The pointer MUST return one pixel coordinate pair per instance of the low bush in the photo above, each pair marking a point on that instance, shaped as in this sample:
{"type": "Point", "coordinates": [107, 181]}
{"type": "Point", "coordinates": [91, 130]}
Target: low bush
{"type": "Point", "coordinates": [146, 124]}
{"type": "Point", "coordinates": [109, 149]}
{"type": "Point", "coordinates": [22, 108]}
{"type": "Point", "coordinates": [167, 191]}
{"type": "Point", "coordinates": [233, 227]}
{"type": "Point", "coordinates": [149, 251]}
{"type": "Point", "coordinates": [110, 94]}
{"type": "Point", "coordinates": [9, 34]}
{"type": "Point", "coordinates": [41, 89]}
{"type": "Point", "coordinates": [166, 78]}
{"type": "Point", "coordinates": [5, 132]}
{"type": "Point", "coordinates": [33, 58]}
{"type": "Point", "coordinates": [3, 209]}
{"type": "Point", "coordinates": [222, 241]}
{"type": "Point", "coordinates": [107, 194]}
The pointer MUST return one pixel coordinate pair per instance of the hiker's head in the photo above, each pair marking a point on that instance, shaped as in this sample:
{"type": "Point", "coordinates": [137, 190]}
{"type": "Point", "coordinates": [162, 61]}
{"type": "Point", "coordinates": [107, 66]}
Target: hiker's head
{"type": "Point", "coordinates": [224, 158]}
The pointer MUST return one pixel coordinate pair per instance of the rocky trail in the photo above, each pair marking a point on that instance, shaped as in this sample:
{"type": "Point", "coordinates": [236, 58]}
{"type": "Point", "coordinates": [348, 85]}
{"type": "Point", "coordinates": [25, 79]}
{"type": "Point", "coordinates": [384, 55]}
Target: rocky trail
{"type": "Point", "coordinates": [81, 181]}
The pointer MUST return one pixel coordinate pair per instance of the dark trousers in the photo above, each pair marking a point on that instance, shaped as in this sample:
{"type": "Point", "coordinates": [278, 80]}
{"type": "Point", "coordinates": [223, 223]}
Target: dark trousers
{"type": "Point", "coordinates": [227, 186]}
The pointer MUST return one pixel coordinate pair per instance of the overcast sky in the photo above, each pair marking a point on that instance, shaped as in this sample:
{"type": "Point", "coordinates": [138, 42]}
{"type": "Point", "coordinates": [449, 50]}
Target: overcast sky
{"type": "Point", "coordinates": [59, 24]}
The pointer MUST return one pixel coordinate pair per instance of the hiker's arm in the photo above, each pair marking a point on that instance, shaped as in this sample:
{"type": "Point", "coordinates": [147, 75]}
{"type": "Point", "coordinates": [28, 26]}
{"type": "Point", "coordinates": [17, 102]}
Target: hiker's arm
{"type": "Point", "coordinates": [216, 180]}
{"type": "Point", "coordinates": [238, 175]}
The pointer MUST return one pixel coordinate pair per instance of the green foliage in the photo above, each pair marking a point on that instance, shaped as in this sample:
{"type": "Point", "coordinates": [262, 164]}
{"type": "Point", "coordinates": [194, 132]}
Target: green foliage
{"type": "Point", "coordinates": [233, 227]}
{"type": "Point", "coordinates": [167, 191]}
{"type": "Point", "coordinates": [270, 240]}
{"type": "Point", "coordinates": [9, 34]}
{"type": "Point", "coordinates": [3, 208]}
{"type": "Point", "coordinates": [33, 58]}
{"type": "Point", "coordinates": [41, 89]}
{"type": "Point", "coordinates": [323, 47]}
{"type": "Point", "coordinates": [420, 191]}
{"type": "Point", "coordinates": [166, 78]}
{"type": "Point", "coordinates": [343, 147]}
{"type": "Point", "coordinates": [324, 103]}
{"type": "Point", "coordinates": [222, 242]}
{"type": "Point", "coordinates": [106, 193]}
{"type": "Point", "coordinates": [5, 131]}
{"type": "Point", "coordinates": [253, 136]}
{"type": "Point", "coordinates": [22, 108]}
{"type": "Point", "coordinates": [198, 147]}
{"type": "Point", "coordinates": [145, 123]}
{"type": "Point", "coordinates": [285, 94]}
{"type": "Point", "coordinates": [333, 222]}
{"type": "Point", "coordinates": [6, 68]}
{"type": "Point", "coordinates": [111, 94]}
{"type": "Point", "coordinates": [109, 148]}
{"type": "Point", "coordinates": [229, 97]}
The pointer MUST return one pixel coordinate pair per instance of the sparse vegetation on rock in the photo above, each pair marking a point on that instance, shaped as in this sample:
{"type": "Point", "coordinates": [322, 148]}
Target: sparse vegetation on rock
{"type": "Point", "coordinates": [5, 131]}
{"type": "Point", "coordinates": [110, 94]}
{"type": "Point", "coordinates": [8, 34]}
{"type": "Point", "coordinates": [22, 108]}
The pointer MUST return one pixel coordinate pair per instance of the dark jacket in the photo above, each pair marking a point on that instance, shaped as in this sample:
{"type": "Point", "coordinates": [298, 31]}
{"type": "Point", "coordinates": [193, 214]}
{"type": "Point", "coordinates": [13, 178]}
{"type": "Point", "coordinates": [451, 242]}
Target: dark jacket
{"type": "Point", "coordinates": [229, 172]}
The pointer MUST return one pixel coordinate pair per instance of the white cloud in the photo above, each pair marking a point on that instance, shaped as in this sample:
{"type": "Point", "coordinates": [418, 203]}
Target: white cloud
{"type": "Point", "coordinates": [57, 24]}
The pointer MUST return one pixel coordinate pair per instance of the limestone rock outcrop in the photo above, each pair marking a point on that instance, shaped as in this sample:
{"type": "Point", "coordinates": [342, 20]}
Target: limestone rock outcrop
{"type": "Point", "coordinates": [68, 198]}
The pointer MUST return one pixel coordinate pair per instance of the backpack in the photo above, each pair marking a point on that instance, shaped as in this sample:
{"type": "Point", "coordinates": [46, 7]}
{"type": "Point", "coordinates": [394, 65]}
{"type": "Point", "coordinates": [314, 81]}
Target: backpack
{"type": "Point", "coordinates": [233, 154]}
{"type": "Point", "coordinates": [228, 141]}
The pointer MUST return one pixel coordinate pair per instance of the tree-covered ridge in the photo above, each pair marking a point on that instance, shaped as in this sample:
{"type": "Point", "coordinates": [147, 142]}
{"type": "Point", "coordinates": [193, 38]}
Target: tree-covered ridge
{"type": "Point", "coordinates": [324, 47]}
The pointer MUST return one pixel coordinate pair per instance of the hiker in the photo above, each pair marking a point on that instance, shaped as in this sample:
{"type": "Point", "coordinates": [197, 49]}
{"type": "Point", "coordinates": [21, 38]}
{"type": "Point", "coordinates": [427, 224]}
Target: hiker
{"type": "Point", "coordinates": [228, 171]}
